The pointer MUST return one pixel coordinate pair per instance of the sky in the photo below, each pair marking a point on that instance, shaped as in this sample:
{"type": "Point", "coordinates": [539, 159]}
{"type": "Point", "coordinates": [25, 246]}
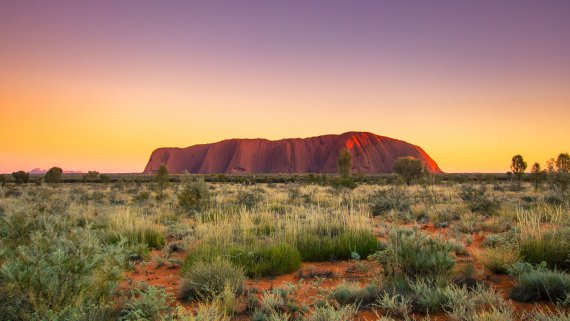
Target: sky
{"type": "Point", "coordinates": [99, 85]}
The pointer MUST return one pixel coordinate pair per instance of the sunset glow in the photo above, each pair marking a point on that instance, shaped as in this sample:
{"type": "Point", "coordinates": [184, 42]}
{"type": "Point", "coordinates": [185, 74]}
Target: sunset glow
{"type": "Point", "coordinates": [99, 86]}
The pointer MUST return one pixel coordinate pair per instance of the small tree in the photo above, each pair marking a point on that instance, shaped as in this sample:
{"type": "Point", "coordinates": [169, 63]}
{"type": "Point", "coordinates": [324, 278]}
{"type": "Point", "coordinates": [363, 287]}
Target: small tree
{"type": "Point", "coordinates": [194, 195]}
{"type": "Point", "coordinates": [518, 166]}
{"type": "Point", "coordinates": [409, 168]}
{"type": "Point", "coordinates": [344, 163]}
{"type": "Point", "coordinates": [162, 180]}
{"type": "Point", "coordinates": [563, 163]}
{"type": "Point", "coordinates": [551, 166]}
{"type": "Point", "coordinates": [2, 180]}
{"type": "Point", "coordinates": [53, 175]}
{"type": "Point", "coordinates": [537, 175]}
{"type": "Point", "coordinates": [91, 176]}
{"type": "Point", "coordinates": [21, 177]}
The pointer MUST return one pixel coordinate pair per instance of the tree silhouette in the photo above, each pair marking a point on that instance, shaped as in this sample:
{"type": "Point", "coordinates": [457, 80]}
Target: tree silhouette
{"type": "Point", "coordinates": [518, 166]}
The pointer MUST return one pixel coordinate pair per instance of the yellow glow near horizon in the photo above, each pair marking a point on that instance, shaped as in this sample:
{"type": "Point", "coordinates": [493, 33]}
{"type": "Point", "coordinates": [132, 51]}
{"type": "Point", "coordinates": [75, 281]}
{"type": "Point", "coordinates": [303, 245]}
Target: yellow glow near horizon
{"type": "Point", "coordinates": [114, 128]}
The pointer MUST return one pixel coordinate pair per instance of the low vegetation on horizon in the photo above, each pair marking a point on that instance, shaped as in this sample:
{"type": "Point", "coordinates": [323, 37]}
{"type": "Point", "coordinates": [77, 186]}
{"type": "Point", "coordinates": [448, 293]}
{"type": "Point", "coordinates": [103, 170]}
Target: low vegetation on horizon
{"type": "Point", "coordinates": [406, 246]}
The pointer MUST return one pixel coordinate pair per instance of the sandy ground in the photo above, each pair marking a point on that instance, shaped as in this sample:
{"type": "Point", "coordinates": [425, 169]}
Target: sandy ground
{"type": "Point", "coordinates": [326, 274]}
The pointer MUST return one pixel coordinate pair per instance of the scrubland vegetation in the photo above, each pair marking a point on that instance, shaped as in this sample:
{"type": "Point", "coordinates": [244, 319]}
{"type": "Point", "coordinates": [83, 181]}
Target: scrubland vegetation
{"type": "Point", "coordinates": [181, 248]}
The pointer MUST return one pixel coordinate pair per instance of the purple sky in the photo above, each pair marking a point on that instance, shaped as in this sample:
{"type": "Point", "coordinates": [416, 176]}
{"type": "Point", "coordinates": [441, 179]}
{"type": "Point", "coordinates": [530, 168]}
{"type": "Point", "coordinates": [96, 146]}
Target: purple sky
{"type": "Point", "coordinates": [412, 70]}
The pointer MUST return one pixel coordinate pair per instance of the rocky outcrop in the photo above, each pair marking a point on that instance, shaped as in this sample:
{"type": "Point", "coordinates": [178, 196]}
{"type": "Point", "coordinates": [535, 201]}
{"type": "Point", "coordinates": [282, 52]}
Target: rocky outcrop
{"type": "Point", "coordinates": [370, 153]}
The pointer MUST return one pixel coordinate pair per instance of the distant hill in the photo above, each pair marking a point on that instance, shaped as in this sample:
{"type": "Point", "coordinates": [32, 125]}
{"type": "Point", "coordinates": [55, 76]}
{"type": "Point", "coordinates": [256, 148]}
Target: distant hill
{"type": "Point", "coordinates": [371, 154]}
{"type": "Point", "coordinates": [39, 171]}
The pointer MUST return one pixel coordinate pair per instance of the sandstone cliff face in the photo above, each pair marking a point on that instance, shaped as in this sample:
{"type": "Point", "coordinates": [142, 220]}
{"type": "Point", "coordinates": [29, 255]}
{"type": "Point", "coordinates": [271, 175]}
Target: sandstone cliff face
{"type": "Point", "coordinates": [370, 154]}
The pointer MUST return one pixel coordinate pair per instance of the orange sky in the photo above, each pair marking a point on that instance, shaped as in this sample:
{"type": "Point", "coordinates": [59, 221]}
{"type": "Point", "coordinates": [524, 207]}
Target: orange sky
{"type": "Point", "coordinates": [83, 98]}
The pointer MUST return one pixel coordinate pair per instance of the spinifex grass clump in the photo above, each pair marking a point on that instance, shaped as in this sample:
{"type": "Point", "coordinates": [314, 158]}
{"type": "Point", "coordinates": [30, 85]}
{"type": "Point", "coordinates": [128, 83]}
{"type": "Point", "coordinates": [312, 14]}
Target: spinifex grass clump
{"type": "Point", "coordinates": [266, 259]}
{"type": "Point", "coordinates": [539, 284]}
{"type": "Point", "coordinates": [268, 243]}
{"type": "Point", "coordinates": [498, 260]}
{"type": "Point", "coordinates": [542, 240]}
{"type": "Point", "coordinates": [323, 236]}
{"type": "Point", "coordinates": [135, 228]}
{"type": "Point", "coordinates": [315, 245]}
{"type": "Point", "coordinates": [413, 254]}
{"type": "Point", "coordinates": [256, 258]}
{"type": "Point", "coordinates": [354, 293]}
{"type": "Point", "coordinates": [206, 280]}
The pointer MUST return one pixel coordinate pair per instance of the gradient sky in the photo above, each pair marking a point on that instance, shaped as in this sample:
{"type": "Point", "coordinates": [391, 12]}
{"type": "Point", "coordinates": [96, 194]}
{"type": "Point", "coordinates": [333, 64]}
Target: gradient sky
{"type": "Point", "coordinates": [99, 85]}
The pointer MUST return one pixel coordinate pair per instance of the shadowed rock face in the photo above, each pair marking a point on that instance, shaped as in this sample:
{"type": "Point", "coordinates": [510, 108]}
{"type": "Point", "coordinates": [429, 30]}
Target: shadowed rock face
{"type": "Point", "coordinates": [370, 154]}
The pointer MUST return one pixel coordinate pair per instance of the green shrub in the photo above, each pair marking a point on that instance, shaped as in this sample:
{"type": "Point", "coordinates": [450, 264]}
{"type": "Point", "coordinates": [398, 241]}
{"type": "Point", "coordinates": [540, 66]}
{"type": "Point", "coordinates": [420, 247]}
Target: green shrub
{"type": "Point", "coordinates": [354, 293]}
{"type": "Point", "coordinates": [329, 312]}
{"type": "Point", "coordinates": [414, 254]}
{"type": "Point", "coordinates": [391, 199]}
{"type": "Point", "coordinates": [87, 312]}
{"type": "Point", "coordinates": [478, 200]}
{"type": "Point", "coordinates": [344, 182]}
{"type": "Point", "coordinates": [53, 175]}
{"type": "Point", "coordinates": [20, 177]}
{"type": "Point", "coordinates": [395, 304]}
{"type": "Point", "coordinates": [206, 280]}
{"type": "Point", "coordinates": [539, 284]}
{"type": "Point", "coordinates": [194, 196]}
{"type": "Point", "coordinates": [146, 303]}
{"type": "Point", "coordinates": [14, 305]}
{"type": "Point", "coordinates": [141, 197]}
{"type": "Point", "coordinates": [427, 296]}
{"type": "Point", "coordinates": [409, 168]}
{"type": "Point", "coordinates": [249, 198]}
{"type": "Point", "coordinates": [55, 264]}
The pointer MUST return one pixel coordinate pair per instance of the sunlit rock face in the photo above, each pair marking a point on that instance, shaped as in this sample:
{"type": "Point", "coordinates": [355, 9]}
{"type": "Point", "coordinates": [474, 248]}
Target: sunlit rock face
{"type": "Point", "coordinates": [370, 154]}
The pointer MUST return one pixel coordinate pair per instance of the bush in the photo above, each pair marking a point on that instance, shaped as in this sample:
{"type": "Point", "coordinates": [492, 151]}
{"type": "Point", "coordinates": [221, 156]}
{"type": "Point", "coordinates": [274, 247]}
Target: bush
{"type": "Point", "coordinates": [194, 196]}
{"type": "Point", "coordinates": [540, 284]}
{"type": "Point", "coordinates": [14, 305]}
{"type": "Point", "coordinates": [392, 199]}
{"type": "Point", "coordinates": [498, 260]}
{"type": "Point", "coordinates": [414, 255]}
{"type": "Point", "coordinates": [146, 303]}
{"type": "Point", "coordinates": [20, 177]}
{"type": "Point", "coordinates": [53, 175]}
{"type": "Point", "coordinates": [344, 182]}
{"type": "Point", "coordinates": [427, 296]}
{"type": "Point", "coordinates": [474, 304]}
{"type": "Point", "coordinates": [409, 168]}
{"type": "Point", "coordinates": [206, 280]}
{"type": "Point", "coordinates": [329, 312]}
{"type": "Point", "coordinates": [317, 245]}
{"type": "Point", "coordinates": [249, 198]}
{"type": "Point", "coordinates": [141, 197]}
{"type": "Point", "coordinates": [55, 265]}
{"type": "Point", "coordinates": [395, 304]}
{"type": "Point", "coordinates": [478, 200]}
{"type": "Point", "coordinates": [354, 293]}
